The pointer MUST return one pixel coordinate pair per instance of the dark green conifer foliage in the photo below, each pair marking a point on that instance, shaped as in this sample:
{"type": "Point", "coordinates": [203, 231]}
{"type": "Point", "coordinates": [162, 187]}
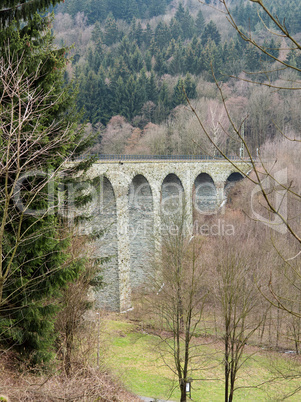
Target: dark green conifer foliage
{"type": "Point", "coordinates": [179, 97]}
{"type": "Point", "coordinates": [118, 96]}
{"type": "Point", "coordinates": [143, 85]}
{"type": "Point", "coordinates": [175, 29]}
{"type": "Point", "coordinates": [157, 7]}
{"type": "Point", "coordinates": [22, 10]}
{"type": "Point", "coordinates": [111, 31]}
{"type": "Point", "coordinates": [185, 21]}
{"type": "Point", "coordinates": [97, 37]}
{"type": "Point", "coordinates": [160, 65]}
{"type": "Point", "coordinates": [200, 23]}
{"type": "Point", "coordinates": [190, 87]}
{"type": "Point", "coordinates": [135, 97]}
{"type": "Point", "coordinates": [152, 89]}
{"type": "Point", "coordinates": [211, 33]}
{"type": "Point", "coordinates": [188, 27]}
{"type": "Point", "coordinates": [131, 10]}
{"type": "Point", "coordinates": [164, 105]}
{"type": "Point", "coordinates": [190, 59]}
{"type": "Point", "coordinates": [147, 35]}
{"type": "Point", "coordinates": [212, 60]}
{"type": "Point", "coordinates": [162, 35]}
{"type": "Point", "coordinates": [180, 14]}
{"type": "Point", "coordinates": [176, 65]}
{"type": "Point", "coordinates": [252, 56]}
{"type": "Point", "coordinates": [136, 61]}
{"type": "Point", "coordinates": [139, 34]}
{"type": "Point", "coordinates": [38, 271]}
{"type": "Point", "coordinates": [148, 61]}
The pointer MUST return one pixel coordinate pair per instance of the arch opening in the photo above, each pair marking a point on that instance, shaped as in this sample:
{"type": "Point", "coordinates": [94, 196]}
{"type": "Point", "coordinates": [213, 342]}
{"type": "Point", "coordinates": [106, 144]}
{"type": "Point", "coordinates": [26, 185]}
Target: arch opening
{"type": "Point", "coordinates": [204, 195]}
{"type": "Point", "coordinates": [234, 178]}
{"type": "Point", "coordinates": [172, 197]}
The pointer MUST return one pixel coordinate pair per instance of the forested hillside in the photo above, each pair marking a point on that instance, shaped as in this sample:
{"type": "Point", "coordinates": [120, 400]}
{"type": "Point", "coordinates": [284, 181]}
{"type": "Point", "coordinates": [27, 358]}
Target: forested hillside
{"type": "Point", "coordinates": [97, 10]}
{"type": "Point", "coordinates": [133, 59]}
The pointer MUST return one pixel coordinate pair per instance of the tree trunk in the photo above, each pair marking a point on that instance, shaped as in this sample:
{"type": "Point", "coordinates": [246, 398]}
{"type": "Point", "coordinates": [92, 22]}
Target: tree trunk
{"type": "Point", "coordinates": [69, 346]}
{"type": "Point", "coordinates": [227, 372]}
{"type": "Point", "coordinates": [183, 391]}
{"type": "Point", "coordinates": [1, 289]}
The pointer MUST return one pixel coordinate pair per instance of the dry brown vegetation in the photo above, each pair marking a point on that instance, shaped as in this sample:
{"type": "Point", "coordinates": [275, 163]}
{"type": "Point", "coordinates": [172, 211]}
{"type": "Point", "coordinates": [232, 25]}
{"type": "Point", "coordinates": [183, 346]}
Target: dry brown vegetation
{"type": "Point", "coordinates": [86, 384]}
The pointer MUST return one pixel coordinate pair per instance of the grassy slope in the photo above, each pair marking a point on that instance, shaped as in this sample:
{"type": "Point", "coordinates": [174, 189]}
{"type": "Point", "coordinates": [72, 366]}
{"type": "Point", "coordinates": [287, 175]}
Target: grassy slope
{"type": "Point", "coordinates": [133, 356]}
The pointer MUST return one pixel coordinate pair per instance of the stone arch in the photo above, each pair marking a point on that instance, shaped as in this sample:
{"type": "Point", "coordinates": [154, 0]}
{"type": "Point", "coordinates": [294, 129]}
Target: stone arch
{"type": "Point", "coordinates": [106, 246]}
{"type": "Point", "coordinates": [232, 179]}
{"type": "Point", "coordinates": [141, 227]}
{"type": "Point", "coordinates": [172, 196]}
{"type": "Point", "coordinates": [204, 195]}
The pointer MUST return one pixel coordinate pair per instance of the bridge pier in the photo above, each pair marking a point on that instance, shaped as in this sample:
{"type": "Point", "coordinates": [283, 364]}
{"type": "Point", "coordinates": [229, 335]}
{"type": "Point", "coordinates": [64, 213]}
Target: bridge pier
{"type": "Point", "coordinates": [188, 203]}
{"type": "Point", "coordinates": [220, 192]}
{"type": "Point", "coordinates": [156, 190]}
{"type": "Point", "coordinates": [123, 251]}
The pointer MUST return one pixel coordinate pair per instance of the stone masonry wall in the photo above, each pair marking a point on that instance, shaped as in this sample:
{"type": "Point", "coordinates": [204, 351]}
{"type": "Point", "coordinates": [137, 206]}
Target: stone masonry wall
{"type": "Point", "coordinates": [133, 195]}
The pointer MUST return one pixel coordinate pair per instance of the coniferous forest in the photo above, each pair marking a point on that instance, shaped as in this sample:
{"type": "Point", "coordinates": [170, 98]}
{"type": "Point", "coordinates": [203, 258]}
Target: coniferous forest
{"type": "Point", "coordinates": [137, 59]}
{"type": "Point", "coordinates": [210, 300]}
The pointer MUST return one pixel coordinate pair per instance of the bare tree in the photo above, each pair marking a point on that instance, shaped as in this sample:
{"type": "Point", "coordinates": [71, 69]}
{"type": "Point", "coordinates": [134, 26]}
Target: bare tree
{"type": "Point", "coordinates": [177, 296]}
{"type": "Point", "coordinates": [236, 301]}
{"type": "Point", "coordinates": [77, 298]}
{"type": "Point", "coordinates": [274, 179]}
{"type": "Point", "coordinates": [217, 122]}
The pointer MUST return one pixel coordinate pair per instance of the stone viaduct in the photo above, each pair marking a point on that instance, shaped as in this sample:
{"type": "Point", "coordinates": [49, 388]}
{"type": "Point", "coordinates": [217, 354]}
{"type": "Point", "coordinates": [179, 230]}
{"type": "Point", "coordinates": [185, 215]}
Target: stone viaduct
{"type": "Point", "coordinates": [136, 195]}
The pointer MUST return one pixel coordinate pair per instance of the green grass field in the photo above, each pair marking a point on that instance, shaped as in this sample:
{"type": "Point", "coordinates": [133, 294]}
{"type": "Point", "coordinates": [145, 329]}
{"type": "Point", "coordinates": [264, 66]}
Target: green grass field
{"type": "Point", "coordinates": [133, 356]}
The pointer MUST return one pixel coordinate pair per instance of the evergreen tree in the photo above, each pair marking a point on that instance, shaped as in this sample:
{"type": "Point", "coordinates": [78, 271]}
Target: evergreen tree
{"type": "Point", "coordinates": [212, 57]}
{"type": "Point", "coordinates": [22, 11]}
{"type": "Point", "coordinates": [164, 95]}
{"type": "Point", "coordinates": [96, 12]}
{"type": "Point", "coordinates": [180, 14]}
{"type": "Point", "coordinates": [190, 87]}
{"type": "Point", "coordinates": [179, 97]}
{"type": "Point", "coordinates": [97, 36]}
{"type": "Point", "coordinates": [188, 25]}
{"type": "Point", "coordinates": [157, 7]}
{"type": "Point", "coordinates": [118, 98]}
{"type": "Point", "coordinates": [111, 31]}
{"type": "Point", "coordinates": [175, 29]}
{"type": "Point", "coordinates": [211, 33]}
{"type": "Point", "coordinates": [190, 60]}
{"type": "Point", "coordinates": [143, 86]}
{"type": "Point", "coordinates": [135, 97]}
{"type": "Point", "coordinates": [139, 34]}
{"type": "Point", "coordinates": [163, 107]}
{"type": "Point", "coordinates": [118, 8]}
{"type": "Point", "coordinates": [151, 88]}
{"type": "Point", "coordinates": [32, 249]}
{"type": "Point", "coordinates": [185, 21]}
{"type": "Point", "coordinates": [136, 61]}
{"type": "Point", "coordinates": [252, 57]}
{"type": "Point", "coordinates": [148, 61]}
{"type": "Point", "coordinates": [162, 35]}
{"type": "Point", "coordinates": [199, 23]}
{"type": "Point", "coordinates": [131, 10]}
{"type": "Point", "coordinates": [120, 68]}
{"type": "Point", "coordinates": [160, 65]}
{"type": "Point", "coordinates": [177, 63]}
{"type": "Point", "coordinates": [147, 35]}
{"type": "Point", "coordinates": [132, 33]}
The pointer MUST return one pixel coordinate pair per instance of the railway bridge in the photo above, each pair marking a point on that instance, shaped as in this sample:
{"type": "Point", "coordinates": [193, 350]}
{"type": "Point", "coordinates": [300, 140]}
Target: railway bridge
{"type": "Point", "coordinates": [138, 195]}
